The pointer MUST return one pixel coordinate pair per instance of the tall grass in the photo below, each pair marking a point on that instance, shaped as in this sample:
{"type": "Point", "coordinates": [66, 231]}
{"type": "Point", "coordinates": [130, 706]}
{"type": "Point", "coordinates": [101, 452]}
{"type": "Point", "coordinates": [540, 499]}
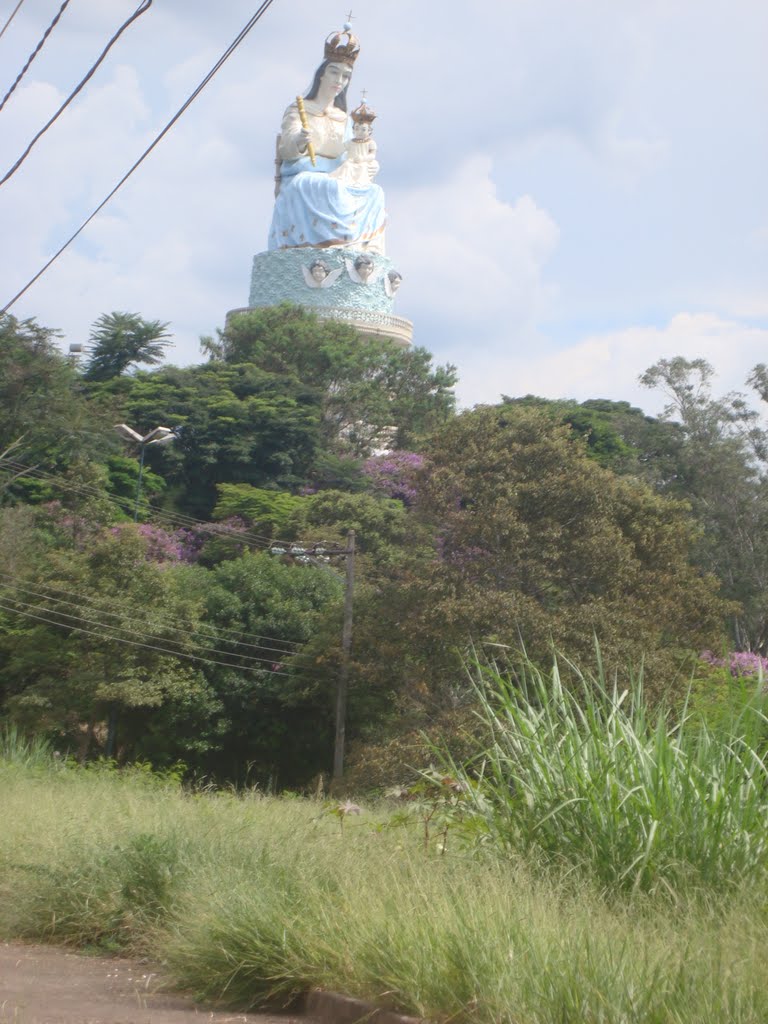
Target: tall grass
{"type": "Point", "coordinates": [23, 751]}
{"type": "Point", "coordinates": [249, 901]}
{"type": "Point", "coordinates": [583, 776]}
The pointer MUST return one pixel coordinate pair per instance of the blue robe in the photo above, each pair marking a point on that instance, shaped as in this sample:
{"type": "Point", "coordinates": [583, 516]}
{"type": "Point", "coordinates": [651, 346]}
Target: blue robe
{"type": "Point", "coordinates": [314, 209]}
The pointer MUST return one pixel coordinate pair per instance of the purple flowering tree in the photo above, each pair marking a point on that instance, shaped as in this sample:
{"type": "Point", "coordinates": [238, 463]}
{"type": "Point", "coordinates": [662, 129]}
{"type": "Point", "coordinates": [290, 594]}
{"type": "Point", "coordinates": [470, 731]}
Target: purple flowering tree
{"type": "Point", "coordinates": [163, 546]}
{"type": "Point", "coordinates": [395, 474]}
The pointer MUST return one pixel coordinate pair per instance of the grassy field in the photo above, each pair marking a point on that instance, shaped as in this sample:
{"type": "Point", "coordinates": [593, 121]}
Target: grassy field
{"type": "Point", "coordinates": [251, 900]}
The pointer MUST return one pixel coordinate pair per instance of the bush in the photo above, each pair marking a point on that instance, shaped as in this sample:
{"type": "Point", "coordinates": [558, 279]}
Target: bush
{"type": "Point", "coordinates": [590, 780]}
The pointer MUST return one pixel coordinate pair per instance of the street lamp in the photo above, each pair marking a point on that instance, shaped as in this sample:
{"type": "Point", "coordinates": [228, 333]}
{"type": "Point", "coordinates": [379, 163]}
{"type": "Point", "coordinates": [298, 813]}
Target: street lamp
{"type": "Point", "coordinates": [157, 436]}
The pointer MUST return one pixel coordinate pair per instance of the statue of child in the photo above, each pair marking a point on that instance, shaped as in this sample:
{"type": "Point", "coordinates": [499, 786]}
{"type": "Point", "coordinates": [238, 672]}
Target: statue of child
{"type": "Point", "coordinates": [361, 166]}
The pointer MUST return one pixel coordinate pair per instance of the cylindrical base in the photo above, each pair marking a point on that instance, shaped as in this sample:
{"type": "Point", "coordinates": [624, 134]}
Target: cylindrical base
{"type": "Point", "coordinates": [342, 284]}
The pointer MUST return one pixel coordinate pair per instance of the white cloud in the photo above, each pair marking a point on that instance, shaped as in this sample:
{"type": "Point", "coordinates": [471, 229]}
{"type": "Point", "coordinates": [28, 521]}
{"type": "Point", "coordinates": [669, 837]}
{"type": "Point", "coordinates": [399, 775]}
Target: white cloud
{"type": "Point", "coordinates": [470, 258]}
{"type": "Point", "coordinates": [608, 365]}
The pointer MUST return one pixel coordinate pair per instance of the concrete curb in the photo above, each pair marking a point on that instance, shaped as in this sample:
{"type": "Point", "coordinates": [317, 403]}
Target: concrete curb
{"type": "Point", "coordinates": [334, 1008]}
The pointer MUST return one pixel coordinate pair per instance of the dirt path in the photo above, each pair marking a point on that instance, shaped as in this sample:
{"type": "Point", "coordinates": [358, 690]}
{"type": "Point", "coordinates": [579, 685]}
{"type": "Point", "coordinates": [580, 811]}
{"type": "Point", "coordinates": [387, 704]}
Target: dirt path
{"type": "Point", "coordinates": [47, 985]}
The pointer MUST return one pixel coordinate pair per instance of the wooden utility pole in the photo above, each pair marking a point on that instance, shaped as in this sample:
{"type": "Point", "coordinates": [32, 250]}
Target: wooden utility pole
{"type": "Point", "coordinates": [346, 648]}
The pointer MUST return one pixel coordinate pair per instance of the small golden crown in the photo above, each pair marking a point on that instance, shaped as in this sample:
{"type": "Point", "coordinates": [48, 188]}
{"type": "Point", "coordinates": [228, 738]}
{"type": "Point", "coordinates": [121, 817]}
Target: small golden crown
{"type": "Point", "coordinates": [363, 114]}
{"type": "Point", "coordinates": [336, 49]}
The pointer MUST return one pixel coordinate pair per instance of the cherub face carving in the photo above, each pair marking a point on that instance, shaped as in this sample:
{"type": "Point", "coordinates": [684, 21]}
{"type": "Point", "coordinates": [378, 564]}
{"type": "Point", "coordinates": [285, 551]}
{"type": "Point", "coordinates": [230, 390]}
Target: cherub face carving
{"type": "Point", "coordinates": [364, 267]}
{"type": "Point", "coordinates": [395, 280]}
{"type": "Point", "coordinates": [319, 271]}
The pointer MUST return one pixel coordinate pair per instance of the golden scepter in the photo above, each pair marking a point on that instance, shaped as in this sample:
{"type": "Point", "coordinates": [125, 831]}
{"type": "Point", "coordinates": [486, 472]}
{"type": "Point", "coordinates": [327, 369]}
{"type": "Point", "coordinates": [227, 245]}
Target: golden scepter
{"type": "Point", "coordinates": [305, 125]}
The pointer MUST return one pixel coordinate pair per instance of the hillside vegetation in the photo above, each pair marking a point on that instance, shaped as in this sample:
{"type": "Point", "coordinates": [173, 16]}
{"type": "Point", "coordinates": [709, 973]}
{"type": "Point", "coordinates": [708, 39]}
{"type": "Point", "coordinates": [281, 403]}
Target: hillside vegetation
{"type": "Point", "coordinates": [168, 603]}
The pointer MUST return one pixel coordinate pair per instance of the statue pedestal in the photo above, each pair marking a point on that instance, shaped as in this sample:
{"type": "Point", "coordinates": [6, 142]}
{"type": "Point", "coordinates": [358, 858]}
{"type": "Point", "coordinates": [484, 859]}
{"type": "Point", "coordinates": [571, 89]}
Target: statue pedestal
{"type": "Point", "coordinates": [337, 291]}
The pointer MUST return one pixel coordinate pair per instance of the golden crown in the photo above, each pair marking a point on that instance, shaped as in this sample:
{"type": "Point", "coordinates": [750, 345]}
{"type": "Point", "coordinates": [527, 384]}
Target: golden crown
{"type": "Point", "coordinates": [363, 114]}
{"type": "Point", "coordinates": [342, 46]}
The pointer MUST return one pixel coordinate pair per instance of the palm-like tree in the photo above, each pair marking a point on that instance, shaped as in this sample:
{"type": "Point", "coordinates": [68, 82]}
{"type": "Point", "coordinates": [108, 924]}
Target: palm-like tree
{"type": "Point", "coordinates": [121, 340]}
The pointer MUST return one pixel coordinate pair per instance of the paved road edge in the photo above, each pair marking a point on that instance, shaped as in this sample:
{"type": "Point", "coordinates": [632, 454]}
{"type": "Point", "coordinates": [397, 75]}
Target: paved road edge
{"type": "Point", "coordinates": [334, 1008]}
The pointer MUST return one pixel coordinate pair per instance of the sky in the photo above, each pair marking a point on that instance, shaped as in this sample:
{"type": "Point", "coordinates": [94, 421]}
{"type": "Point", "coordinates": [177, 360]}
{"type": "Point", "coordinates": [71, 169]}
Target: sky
{"type": "Point", "coordinates": [575, 188]}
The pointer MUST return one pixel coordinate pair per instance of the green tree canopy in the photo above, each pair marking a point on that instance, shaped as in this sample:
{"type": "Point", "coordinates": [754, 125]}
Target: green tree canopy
{"type": "Point", "coordinates": [373, 392]}
{"type": "Point", "coordinates": [276, 714]}
{"type": "Point", "coordinates": [95, 633]}
{"type": "Point", "coordinates": [239, 424]}
{"type": "Point", "coordinates": [618, 435]}
{"type": "Point", "coordinates": [537, 544]}
{"type": "Point", "coordinates": [40, 403]}
{"type": "Point", "coordinates": [722, 473]}
{"type": "Point", "coordinates": [119, 341]}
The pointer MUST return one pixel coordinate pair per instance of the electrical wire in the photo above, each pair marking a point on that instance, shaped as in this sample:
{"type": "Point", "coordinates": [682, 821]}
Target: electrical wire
{"type": "Point", "coordinates": [141, 9]}
{"type": "Point", "coordinates": [176, 519]}
{"type": "Point", "coordinates": [179, 519]}
{"type": "Point", "coordinates": [244, 659]}
{"type": "Point", "coordinates": [266, 4]}
{"type": "Point", "coordinates": [126, 504]}
{"type": "Point", "coordinates": [12, 15]}
{"type": "Point", "coordinates": [51, 594]}
{"type": "Point", "coordinates": [34, 53]}
{"type": "Point", "coordinates": [136, 643]}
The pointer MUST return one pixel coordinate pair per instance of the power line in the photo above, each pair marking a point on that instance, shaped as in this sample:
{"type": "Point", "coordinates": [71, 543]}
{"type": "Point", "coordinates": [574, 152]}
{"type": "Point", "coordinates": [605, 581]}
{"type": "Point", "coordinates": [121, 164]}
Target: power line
{"type": "Point", "coordinates": [141, 9]}
{"type": "Point", "coordinates": [11, 16]}
{"type": "Point", "coordinates": [52, 593]}
{"type": "Point", "coordinates": [34, 53]}
{"type": "Point", "coordinates": [219, 63]}
{"type": "Point", "coordinates": [151, 636]}
{"type": "Point", "coordinates": [177, 519]}
{"type": "Point", "coordinates": [136, 643]}
{"type": "Point", "coordinates": [135, 632]}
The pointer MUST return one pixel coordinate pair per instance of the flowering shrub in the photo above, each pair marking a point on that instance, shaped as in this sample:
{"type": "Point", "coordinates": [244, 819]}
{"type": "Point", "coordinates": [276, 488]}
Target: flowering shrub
{"type": "Point", "coordinates": [738, 663]}
{"type": "Point", "coordinates": [394, 474]}
{"type": "Point", "coordinates": [184, 544]}
{"type": "Point", "coordinates": [165, 546]}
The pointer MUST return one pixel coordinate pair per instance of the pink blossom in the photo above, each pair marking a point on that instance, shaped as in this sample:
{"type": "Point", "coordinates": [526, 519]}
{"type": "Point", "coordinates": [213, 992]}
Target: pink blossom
{"type": "Point", "coordinates": [739, 663]}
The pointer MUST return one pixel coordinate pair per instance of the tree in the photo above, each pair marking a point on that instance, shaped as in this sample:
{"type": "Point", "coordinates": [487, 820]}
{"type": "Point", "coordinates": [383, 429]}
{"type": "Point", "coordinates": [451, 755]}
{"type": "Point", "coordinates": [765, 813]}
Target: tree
{"type": "Point", "coordinates": [374, 394]}
{"type": "Point", "coordinates": [121, 340]}
{"type": "Point", "coordinates": [618, 436]}
{"type": "Point", "coordinates": [535, 544]}
{"type": "Point", "coordinates": [266, 510]}
{"type": "Point", "coordinates": [722, 472]}
{"type": "Point", "coordinates": [239, 425]}
{"type": "Point", "coordinates": [97, 636]}
{"type": "Point", "coordinates": [276, 719]}
{"type": "Point", "coordinates": [41, 406]}
{"type": "Point", "coordinates": [380, 523]}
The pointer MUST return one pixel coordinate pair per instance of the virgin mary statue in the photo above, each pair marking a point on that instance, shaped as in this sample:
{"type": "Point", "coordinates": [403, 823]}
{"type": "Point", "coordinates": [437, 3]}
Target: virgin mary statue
{"type": "Point", "coordinates": [314, 206]}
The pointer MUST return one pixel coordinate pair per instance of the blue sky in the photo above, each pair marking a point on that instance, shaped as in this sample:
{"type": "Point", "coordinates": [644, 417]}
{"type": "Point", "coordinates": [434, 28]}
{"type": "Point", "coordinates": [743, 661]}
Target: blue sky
{"type": "Point", "coordinates": [575, 187]}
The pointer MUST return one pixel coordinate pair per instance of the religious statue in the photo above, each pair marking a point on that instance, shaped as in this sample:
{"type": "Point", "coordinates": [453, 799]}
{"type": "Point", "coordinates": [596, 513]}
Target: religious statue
{"type": "Point", "coordinates": [326, 249]}
{"type": "Point", "coordinates": [361, 165]}
{"type": "Point", "coordinates": [319, 203]}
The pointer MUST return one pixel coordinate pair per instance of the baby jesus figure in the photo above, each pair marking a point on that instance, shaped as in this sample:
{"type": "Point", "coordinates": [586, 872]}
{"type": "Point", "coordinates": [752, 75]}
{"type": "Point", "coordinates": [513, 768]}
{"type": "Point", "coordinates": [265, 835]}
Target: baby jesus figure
{"type": "Point", "coordinates": [361, 165]}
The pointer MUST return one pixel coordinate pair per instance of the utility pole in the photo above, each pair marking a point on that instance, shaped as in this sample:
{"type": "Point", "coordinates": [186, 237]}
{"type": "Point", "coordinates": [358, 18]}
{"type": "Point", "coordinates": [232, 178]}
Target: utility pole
{"type": "Point", "coordinates": [346, 648]}
{"type": "Point", "coordinates": [316, 554]}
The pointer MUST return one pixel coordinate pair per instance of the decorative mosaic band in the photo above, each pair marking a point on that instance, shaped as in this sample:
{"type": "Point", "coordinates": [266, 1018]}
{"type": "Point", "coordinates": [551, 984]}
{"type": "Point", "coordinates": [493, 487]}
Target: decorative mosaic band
{"type": "Point", "coordinates": [325, 279]}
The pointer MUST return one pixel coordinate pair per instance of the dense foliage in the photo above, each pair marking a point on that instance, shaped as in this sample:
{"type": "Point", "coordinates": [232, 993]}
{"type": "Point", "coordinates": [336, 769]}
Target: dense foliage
{"type": "Point", "coordinates": [208, 631]}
